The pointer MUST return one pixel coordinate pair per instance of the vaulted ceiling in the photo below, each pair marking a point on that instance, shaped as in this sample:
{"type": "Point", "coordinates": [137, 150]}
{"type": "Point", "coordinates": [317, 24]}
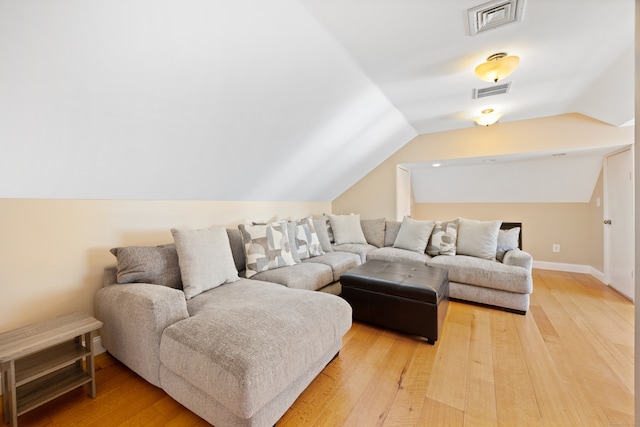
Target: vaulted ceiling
{"type": "Point", "coordinates": [275, 100]}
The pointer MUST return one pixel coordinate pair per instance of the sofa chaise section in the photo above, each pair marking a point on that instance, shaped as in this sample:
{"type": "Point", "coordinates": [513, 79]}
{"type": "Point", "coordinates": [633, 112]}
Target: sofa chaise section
{"type": "Point", "coordinates": [251, 346]}
{"type": "Point", "coordinates": [235, 351]}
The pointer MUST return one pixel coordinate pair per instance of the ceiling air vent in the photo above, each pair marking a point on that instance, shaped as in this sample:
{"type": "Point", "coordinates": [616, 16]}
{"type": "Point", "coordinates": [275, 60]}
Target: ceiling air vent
{"type": "Point", "coordinates": [491, 90]}
{"type": "Point", "coordinates": [494, 14]}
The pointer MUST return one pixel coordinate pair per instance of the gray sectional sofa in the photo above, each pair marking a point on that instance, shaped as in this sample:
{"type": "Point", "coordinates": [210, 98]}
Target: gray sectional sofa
{"type": "Point", "coordinates": [228, 321]}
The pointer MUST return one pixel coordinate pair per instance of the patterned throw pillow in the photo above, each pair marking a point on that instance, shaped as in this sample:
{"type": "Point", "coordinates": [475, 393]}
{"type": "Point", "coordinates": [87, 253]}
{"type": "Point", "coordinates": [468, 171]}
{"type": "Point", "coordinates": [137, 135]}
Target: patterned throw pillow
{"type": "Point", "coordinates": [306, 239]}
{"type": "Point", "coordinates": [266, 247]}
{"type": "Point", "coordinates": [322, 230]}
{"type": "Point", "coordinates": [443, 238]}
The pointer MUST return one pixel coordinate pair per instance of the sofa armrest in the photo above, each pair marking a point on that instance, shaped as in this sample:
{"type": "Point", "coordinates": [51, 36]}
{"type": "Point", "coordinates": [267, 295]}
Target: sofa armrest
{"type": "Point", "coordinates": [518, 258]}
{"type": "Point", "coordinates": [134, 317]}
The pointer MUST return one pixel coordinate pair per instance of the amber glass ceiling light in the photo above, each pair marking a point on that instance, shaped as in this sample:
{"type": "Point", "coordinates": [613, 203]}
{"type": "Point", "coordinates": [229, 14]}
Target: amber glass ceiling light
{"type": "Point", "coordinates": [488, 117]}
{"type": "Point", "coordinates": [497, 67]}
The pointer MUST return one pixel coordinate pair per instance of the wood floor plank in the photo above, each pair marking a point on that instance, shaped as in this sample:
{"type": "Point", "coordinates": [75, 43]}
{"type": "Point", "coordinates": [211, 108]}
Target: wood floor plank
{"type": "Point", "coordinates": [436, 413]}
{"type": "Point", "coordinates": [373, 406]}
{"type": "Point", "coordinates": [568, 361]}
{"type": "Point", "coordinates": [584, 354]}
{"type": "Point", "coordinates": [449, 374]}
{"type": "Point", "coordinates": [349, 392]}
{"type": "Point", "coordinates": [338, 372]}
{"type": "Point", "coordinates": [407, 406]}
{"type": "Point", "coordinates": [480, 406]}
{"type": "Point", "coordinates": [516, 403]}
{"type": "Point", "coordinates": [554, 400]}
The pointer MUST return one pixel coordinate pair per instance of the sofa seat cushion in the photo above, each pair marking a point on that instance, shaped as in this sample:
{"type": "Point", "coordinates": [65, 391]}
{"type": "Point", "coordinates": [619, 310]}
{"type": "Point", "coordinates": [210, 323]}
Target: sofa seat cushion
{"type": "Point", "coordinates": [355, 248]}
{"type": "Point", "coordinates": [485, 273]}
{"type": "Point", "coordinates": [340, 262]}
{"type": "Point", "coordinates": [397, 254]}
{"type": "Point", "coordinates": [307, 276]}
{"type": "Point", "coordinates": [247, 342]}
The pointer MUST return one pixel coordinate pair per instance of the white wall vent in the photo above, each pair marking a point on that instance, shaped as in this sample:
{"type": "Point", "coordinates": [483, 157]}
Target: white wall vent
{"type": "Point", "coordinates": [494, 14]}
{"type": "Point", "coordinates": [491, 90]}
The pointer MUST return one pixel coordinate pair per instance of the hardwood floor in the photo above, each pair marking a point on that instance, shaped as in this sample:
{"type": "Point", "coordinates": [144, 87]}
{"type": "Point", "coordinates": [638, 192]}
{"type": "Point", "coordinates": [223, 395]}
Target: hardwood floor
{"type": "Point", "coordinates": [568, 362]}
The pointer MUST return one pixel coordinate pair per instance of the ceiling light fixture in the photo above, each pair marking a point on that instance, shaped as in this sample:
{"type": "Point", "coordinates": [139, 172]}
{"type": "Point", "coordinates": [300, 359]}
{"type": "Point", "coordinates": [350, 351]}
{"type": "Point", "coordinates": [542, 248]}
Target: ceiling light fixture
{"type": "Point", "coordinates": [497, 67]}
{"type": "Point", "coordinates": [488, 117]}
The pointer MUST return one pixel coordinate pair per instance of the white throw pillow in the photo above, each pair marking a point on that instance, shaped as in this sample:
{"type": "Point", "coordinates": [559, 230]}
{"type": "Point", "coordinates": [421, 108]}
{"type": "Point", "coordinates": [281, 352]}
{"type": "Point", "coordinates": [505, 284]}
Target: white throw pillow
{"type": "Point", "coordinates": [347, 229]}
{"type": "Point", "coordinates": [413, 235]}
{"type": "Point", "coordinates": [478, 238]}
{"type": "Point", "coordinates": [205, 259]}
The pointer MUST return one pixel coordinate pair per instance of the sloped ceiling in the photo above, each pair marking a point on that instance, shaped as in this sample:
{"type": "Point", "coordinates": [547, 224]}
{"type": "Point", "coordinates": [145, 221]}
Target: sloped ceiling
{"type": "Point", "coordinates": [280, 100]}
{"type": "Point", "coordinates": [568, 177]}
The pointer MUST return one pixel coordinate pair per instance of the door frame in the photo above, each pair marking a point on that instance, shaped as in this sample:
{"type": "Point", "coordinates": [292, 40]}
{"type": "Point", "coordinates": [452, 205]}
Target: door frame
{"type": "Point", "coordinates": [403, 192]}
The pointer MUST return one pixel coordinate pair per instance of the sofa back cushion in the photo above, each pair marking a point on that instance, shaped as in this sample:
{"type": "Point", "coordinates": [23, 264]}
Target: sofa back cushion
{"type": "Point", "coordinates": [373, 230]}
{"type": "Point", "coordinates": [205, 259]}
{"type": "Point", "coordinates": [235, 242]}
{"type": "Point", "coordinates": [391, 229]}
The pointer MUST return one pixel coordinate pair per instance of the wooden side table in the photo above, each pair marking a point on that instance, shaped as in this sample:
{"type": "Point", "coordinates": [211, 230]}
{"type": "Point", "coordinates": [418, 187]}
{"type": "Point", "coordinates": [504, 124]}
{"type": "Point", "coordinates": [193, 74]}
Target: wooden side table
{"type": "Point", "coordinates": [45, 360]}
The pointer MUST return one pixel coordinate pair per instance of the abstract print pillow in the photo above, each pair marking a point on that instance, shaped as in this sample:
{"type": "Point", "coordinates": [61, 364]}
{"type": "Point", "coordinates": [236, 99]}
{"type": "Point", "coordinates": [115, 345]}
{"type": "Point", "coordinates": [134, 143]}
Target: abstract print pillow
{"type": "Point", "coordinates": [306, 239]}
{"type": "Point", "coordinates": [266, 247]}
{"type": "Point", "coordinates": [443, 238]}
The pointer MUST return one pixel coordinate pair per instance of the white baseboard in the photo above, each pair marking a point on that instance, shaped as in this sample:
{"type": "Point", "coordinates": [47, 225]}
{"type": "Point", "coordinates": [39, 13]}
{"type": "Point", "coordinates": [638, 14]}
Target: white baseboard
{"type": "Point", "coordinates": [570, 268]}
{"type": "Point", "coordinates": [97, 349]}
{"type": "Point", "coordinates": [97, 346]}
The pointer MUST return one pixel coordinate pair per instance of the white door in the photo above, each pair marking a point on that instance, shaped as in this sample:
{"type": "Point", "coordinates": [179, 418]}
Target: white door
{"type": "Point", "coordinates": [403, 193]}
{"type": "Point", "coordinates": [619, 223]}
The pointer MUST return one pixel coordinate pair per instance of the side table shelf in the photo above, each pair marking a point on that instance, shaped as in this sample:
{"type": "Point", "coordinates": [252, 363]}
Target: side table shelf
{"type": "Point", "coordinates": [43, 361]}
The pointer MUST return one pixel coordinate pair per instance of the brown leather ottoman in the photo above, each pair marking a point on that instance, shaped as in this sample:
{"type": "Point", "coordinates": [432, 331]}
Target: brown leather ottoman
{"type": "Point", "coordinates": [410, 298]}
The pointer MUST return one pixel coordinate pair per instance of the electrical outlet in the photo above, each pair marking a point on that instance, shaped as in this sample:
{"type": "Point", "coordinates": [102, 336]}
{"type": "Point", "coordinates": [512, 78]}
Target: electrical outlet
{"type": "Point", "coordinates": [555, 247]}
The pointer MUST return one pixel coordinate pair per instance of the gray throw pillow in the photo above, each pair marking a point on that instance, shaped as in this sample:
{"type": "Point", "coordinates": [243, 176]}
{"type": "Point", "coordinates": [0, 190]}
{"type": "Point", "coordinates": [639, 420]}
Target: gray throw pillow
{"type": "Point", "coordinates": [205, 259]}
{"type": "Point", "coordinates": [414, 235]}
{"type": "Point", "coordinates": [373, 230]}
{"type": "Point", "coordinates": [148, 264]}
{"type": "Point", "coordinates": [478, 238]}
{"type": "Point", "coordinates": [347, 229]}
{"type": "Point", "coordinates": [507, 241]}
